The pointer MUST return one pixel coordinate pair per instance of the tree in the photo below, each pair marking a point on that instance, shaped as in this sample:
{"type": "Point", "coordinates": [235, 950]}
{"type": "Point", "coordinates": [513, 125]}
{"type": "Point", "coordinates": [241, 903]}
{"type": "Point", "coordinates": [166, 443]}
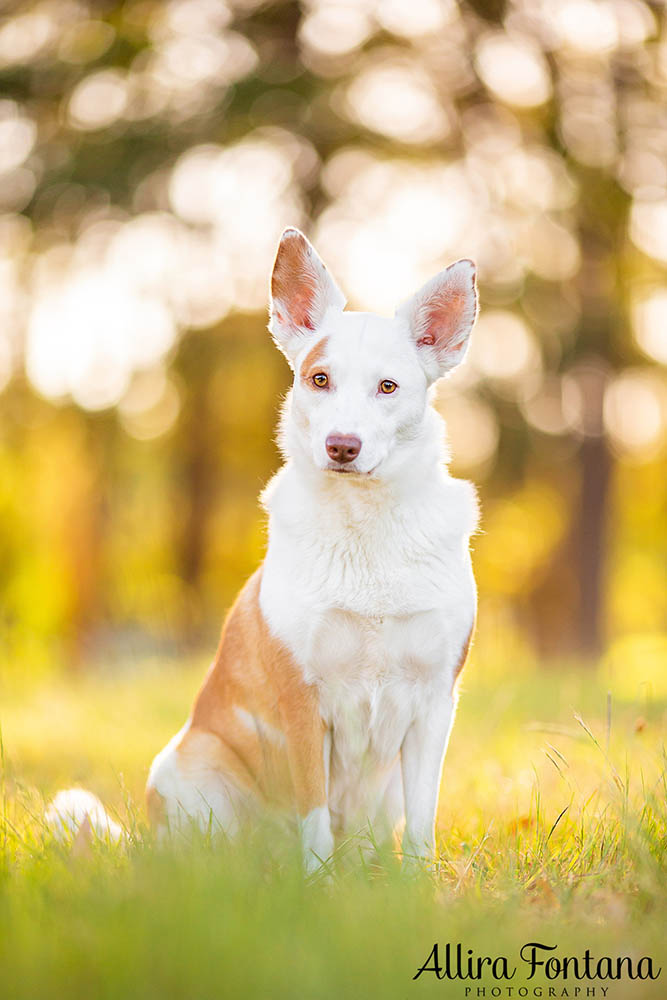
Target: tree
{"type": "Point", "coordinates": [157, 149]}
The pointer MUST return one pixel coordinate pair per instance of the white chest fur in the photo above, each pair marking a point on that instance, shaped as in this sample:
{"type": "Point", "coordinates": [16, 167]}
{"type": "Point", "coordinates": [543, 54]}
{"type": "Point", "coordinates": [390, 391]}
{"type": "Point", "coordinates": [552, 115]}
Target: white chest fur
{"type": "Point", "coordinates": [372, 592]}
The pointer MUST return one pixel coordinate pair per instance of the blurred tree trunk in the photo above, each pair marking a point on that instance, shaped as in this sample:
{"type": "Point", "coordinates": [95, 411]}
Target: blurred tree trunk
{"type": "Point", "coordinates": [565, 608]}
{"type": "Point", "coordinates": [197, 453]}
{"type": "Point", "coordinates": [589, 531]}
{"type": "Point", "coordinates": [83, 534]}
{"type": "Point", "coordinates": [568, 603]}
{"type": "Point", "coordinates": [196, 495]}
{"type": "Point", "coordinates": [602, 232]}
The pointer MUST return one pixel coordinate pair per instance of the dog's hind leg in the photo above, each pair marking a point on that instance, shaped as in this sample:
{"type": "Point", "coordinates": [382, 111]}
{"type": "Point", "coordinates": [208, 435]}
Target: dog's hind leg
{"type": "Point", "coordinates": [198, 780]}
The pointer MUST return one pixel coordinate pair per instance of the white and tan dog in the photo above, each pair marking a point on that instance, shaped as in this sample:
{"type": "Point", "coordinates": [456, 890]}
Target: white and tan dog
{"type": "Point", "coordinates": [332, 691]}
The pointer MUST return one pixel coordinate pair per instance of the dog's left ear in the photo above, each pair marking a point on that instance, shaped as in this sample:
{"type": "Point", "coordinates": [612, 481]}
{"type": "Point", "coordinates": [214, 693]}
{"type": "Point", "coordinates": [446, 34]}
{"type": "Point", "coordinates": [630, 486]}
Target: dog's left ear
{"type": "Point", "coordinates": [302, 291]}
{"type": "Point", "coordinates": [441, 316]}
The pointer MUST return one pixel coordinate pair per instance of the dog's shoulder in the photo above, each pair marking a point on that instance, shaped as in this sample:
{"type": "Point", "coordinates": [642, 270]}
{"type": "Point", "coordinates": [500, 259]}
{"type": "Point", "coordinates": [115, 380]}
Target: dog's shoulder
{"type": "Point", "coordinates": [461, 504]}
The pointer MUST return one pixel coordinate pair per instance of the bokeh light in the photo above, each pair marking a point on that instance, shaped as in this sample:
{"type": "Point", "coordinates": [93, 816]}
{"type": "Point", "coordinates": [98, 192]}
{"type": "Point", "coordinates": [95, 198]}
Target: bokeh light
{"type": "Point", "coordinates": [398, 100]}
{"type": "Point", "coordinates": [514, 69]}
{"type": "Point", "coordinates": [635, 412]}
{"type": "Point", "coordinates": [150, 155]}
{"type": "Point", "coordinates": [650, 324]}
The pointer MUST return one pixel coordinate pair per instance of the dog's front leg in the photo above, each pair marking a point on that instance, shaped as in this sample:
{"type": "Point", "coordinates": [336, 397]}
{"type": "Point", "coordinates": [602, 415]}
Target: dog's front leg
{"type": "Point", "coordinates": [308, 753]}
{"type": "Point", "coordinates": [315, 820]}
{"type": "Point", "coordinates": [422, 754]}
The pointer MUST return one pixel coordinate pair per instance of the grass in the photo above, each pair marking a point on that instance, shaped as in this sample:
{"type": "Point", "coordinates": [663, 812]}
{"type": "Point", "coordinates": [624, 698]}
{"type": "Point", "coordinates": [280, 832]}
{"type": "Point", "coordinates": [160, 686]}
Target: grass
{"type": "Point", "coordinates": [552, 828]}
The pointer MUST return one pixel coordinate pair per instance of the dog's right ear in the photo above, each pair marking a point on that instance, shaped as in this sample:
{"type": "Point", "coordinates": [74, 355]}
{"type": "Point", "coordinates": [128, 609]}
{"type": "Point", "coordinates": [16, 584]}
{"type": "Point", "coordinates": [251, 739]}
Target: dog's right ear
{"type": "Point", "coordinates": [302, 291]}
{"type": "Point", "coordinates": [441, 316]}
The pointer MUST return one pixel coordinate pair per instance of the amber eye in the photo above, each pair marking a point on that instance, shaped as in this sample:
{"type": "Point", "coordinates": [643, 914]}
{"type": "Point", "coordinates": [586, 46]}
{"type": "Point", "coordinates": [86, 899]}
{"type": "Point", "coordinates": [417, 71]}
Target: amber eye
{"type": "Point", "coordinates": [386, 386]}
{"type": "Point", "coordinates": [321, 380]}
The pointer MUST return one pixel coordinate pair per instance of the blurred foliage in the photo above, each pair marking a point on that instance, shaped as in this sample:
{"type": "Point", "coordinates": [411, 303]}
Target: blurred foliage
{"type": "Point", "coordinates": [151, 152]}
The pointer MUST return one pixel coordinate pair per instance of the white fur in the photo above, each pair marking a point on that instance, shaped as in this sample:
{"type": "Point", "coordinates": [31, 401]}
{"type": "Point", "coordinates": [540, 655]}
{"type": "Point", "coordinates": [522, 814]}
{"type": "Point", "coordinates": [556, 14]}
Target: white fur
{"type": "Point", "coordinates": [69, 809]}
{"type": "Point", "coordinates": [316, 836]}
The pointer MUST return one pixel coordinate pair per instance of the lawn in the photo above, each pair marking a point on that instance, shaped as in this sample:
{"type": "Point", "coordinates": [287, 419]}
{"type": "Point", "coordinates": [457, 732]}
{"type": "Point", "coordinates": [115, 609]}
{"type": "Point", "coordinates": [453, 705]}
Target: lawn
{"type": "Point", "coordinates": [551, 830]}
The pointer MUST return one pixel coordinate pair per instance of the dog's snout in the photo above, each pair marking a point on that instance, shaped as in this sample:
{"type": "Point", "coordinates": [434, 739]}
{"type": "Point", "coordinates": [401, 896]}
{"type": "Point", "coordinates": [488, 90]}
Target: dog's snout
{"type": "Point", "coordinates": [343, 448]}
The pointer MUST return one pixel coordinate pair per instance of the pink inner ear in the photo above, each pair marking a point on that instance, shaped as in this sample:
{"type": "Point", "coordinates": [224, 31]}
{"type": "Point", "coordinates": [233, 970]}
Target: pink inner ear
{"type": "Point", "coordinates": [443, 316]}
{"type": "Point", "coordinates": [293, 282]}
{"type": "Point", "coordinates": [301, 307]}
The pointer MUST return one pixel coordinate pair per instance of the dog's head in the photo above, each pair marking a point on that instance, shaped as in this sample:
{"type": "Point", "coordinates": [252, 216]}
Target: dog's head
{"type": "Point", "coordinates": [360, 381]}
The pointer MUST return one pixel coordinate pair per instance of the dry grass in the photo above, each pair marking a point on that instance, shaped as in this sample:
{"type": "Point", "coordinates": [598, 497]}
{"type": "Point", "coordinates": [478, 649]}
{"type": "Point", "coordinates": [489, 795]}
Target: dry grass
{"type": "Point", "coordinates": [552, 828]}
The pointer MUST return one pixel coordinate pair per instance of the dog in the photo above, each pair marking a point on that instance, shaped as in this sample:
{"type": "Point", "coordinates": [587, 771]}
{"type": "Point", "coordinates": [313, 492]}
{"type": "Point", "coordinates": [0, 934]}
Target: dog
{"type": "Point", "coordinates": [333, 690]}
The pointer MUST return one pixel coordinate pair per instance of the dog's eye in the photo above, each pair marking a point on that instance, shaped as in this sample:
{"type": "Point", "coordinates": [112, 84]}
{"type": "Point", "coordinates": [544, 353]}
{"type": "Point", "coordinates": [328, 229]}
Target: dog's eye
{"type": "Point", "coordinates": [386, 386]}
{"type": "Point", "coordinates": [321, 380]}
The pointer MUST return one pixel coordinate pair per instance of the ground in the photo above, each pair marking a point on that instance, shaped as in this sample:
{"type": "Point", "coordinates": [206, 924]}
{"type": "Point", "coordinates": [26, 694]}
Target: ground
{"type": "Point", "coordinates": [551, 829]}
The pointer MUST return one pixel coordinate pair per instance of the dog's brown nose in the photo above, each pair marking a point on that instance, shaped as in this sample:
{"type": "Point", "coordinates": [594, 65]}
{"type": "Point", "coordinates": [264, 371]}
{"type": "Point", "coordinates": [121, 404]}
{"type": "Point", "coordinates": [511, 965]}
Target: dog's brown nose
{"type": "Point", "coordinates": [343, 448]}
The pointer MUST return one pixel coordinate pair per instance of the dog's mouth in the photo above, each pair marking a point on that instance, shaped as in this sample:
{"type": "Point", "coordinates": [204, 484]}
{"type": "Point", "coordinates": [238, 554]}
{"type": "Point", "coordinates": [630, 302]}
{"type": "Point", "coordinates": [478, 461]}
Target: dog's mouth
{"type": "Point", "coordinates": [346, 470]}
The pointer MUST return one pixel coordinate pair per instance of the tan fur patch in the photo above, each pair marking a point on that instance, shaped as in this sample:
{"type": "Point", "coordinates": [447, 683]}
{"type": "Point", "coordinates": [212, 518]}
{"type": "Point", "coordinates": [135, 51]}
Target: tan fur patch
{"type": "Point", "coordinates": [312, 363]}
{"type": "Point", "coordinates": [200, 746]}
{"type": "Point", "coordinates": [255, 672]}
{"type": "Point", "coordinates": [156, 807]}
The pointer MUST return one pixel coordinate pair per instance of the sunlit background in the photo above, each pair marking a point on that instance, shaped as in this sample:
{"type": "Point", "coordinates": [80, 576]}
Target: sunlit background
{"type": "Point", "coordinates": [151, 153]}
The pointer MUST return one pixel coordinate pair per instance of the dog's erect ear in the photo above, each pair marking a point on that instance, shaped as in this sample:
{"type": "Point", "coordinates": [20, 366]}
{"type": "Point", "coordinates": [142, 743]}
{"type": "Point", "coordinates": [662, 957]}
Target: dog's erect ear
{"type": "Point", "coordinates": [302, 290]}
{"type": "Point", "coordinates": [441, 316]}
